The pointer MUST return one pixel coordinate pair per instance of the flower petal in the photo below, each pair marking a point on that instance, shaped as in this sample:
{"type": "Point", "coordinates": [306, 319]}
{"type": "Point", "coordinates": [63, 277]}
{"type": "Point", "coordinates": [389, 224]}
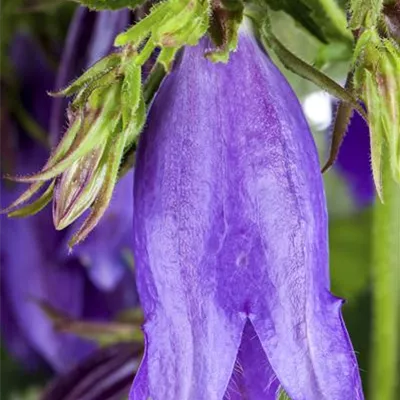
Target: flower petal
{"type": "Point", "coordinates": [29, 275]}
{"type": "Point", "coordinates": [230, 223]}
{"type": "Point", "coordinates": [35, 75]}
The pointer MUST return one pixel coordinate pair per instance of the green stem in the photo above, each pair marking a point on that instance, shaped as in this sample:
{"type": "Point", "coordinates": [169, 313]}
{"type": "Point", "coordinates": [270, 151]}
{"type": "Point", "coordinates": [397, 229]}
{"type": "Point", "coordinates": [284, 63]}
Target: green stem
{"type": "Point", "coordinates": [386, 292]}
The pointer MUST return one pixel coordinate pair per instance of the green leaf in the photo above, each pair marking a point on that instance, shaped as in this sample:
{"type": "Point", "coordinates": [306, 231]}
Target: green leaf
{"type": "Point", "coordinates": [322, 18]}
{"type": "Point", "coordinates": [301, 13]}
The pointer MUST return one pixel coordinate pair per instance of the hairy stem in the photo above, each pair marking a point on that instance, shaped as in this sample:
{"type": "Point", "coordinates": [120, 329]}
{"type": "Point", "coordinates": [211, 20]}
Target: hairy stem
{"type": "Point", "coordinates": [386, 292]}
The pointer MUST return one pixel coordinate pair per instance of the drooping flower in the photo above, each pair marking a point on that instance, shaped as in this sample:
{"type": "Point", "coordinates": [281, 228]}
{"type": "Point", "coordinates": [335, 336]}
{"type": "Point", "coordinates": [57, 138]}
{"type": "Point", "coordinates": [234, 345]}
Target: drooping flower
{"type": "Point", "coordinates": [354, 161]}
{"type": "Point", "coordinates": [231, 246]}
{"type": "Point", "coordinates": [32, 271]}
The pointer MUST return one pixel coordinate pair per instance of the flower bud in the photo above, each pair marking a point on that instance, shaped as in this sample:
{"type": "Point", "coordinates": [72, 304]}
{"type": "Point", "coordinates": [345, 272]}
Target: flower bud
{"type": "Point", "coordinates": [377, 76]}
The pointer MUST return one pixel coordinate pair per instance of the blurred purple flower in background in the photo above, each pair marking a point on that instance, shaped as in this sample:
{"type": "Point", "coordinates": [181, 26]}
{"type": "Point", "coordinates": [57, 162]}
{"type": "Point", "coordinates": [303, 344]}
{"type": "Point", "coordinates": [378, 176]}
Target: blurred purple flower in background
{"type": "Point", "coordinates": [107, 251]}
{"type": "Point", "coordinates": [35, 263]}
{"type": "Point", "coordinates": [231, 244]}
{"type": "Point", "coordinates": [354, 161]}
{"type": "Point", "coordinates": [90, 37]}
{"type": "Point", "coordinates": [103, 251]}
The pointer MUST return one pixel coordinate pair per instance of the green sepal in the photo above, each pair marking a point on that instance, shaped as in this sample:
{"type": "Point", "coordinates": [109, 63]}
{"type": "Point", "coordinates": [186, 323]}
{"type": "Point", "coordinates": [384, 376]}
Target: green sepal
{"type": "Point", "coordinates": [58, 153]}
{"type": "Point", "coordinates": [150, 87]}
{"type": "Point", "coordinates": [174, 23]}
{"type": "Point", "coordinates": [179, 15]}
{"type": "Point", "coordinates": [145, 53]}
{"type": "Point", "coordinates": [84, 94]}
{"type": "Point", "coordinates": [136, 124]}
{"type": "Point", "coordinates": [366, 54]}
{"type": "Point", "coordinates": [185, 26]}
{"type": "Point", "coordinates": [190, 33]}
{"type": "Point", "coordinates": [376, 134]}
{"type": "Point", "coordinates": [131, 91]}
{"type": "Point", "coordinates": [95, 72]}
{"type": "Point", "coordinates": [96, 133]}
{"type": "Point", "coordinates": [365, 13]}
{"type": "Point", "coordinates": [36, 206]}
{"type": "Point", "coordinates": [138, 32]}
{"type": "Point", "coordinates": [343, 116]}
{"type": "Point", "coordinates": [167, 57]}
{"type": "Point", "coordinates": [115, 149]}
{"type": "Point", "coordinates": [78, 187]}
